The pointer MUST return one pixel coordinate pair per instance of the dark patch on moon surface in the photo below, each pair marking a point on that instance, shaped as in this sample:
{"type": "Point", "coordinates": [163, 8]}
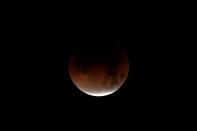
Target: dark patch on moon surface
{"type": "Point", "coordinates": [114, 81]}
{"type": "Point", "coordinates": [112, 71]}
{"type": "Point", "coordinates": [122, 75]}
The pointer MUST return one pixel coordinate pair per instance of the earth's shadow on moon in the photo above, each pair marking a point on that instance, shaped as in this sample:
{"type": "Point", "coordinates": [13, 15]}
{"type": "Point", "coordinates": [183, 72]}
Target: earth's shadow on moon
{"type": "Point", "coordinates": [100, 70]}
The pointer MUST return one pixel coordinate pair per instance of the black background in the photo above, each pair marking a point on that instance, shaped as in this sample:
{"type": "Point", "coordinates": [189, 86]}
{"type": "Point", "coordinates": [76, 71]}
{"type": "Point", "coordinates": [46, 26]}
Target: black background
{"type": "Point", "coordinates": [46, 93]}
{"type": "Point", "coordinates": [144, 97]}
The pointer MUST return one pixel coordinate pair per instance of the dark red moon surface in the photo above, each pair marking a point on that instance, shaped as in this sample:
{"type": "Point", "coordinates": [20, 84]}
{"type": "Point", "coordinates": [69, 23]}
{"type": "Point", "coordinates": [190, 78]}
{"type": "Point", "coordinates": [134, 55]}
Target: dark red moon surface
{"type": "Point", "coordinates": [99, 73]}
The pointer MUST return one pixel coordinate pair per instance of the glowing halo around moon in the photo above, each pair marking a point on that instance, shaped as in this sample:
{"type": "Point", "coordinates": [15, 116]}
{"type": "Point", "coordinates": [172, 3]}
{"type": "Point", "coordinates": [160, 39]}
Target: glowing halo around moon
{"type": "Point", "coordinates": [101, 74]}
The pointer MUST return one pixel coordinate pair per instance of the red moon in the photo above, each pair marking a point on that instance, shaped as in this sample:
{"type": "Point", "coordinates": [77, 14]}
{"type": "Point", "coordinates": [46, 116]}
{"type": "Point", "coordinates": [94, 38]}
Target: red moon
{"type": "Point", "coordinates": [99, 74]}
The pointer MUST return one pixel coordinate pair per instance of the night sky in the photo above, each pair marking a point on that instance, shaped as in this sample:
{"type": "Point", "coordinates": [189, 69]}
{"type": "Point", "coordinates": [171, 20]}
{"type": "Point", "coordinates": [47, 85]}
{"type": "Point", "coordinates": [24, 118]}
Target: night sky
{"type": "Point", "coordinates": [51, 94]}
{"type": "Point", "coordinates": [141, 95]}
{"type": "Point", "coordinates": [48, 92]}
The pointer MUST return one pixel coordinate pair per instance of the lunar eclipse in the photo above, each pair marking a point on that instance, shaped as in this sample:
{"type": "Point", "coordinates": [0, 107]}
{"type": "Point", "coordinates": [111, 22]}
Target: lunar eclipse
{"type": "Point", "coordinates": [99, 72]}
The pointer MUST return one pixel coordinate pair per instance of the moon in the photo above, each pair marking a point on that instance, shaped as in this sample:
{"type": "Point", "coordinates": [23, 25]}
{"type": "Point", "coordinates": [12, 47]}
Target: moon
{"type": "Point", "coordinates": [99, 73]}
